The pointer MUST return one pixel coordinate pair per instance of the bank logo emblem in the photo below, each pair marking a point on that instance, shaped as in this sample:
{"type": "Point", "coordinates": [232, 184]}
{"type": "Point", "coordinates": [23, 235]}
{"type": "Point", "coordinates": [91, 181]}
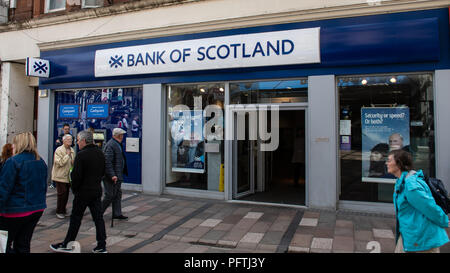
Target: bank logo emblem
{"type": "Point", "coordinates": [40, 67]}
{"type": "Point", "coordinates": [116, 61]}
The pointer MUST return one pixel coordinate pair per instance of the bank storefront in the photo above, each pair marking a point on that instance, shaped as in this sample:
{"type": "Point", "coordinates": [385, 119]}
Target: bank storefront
{"type": "Point", "coordinates": [294, 114]}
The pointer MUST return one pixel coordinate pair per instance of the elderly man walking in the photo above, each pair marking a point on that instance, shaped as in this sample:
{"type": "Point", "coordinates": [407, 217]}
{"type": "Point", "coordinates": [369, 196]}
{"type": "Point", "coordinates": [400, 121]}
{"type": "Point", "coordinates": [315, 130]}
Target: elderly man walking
{"type": "Point", "coordinates": [116, 167]}
{"type": "Point", "coordinates": [88, 170]}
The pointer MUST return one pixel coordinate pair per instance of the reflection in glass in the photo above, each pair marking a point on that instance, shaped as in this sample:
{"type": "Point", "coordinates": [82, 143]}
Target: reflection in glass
{"type": "Point", "coordinates": [280, 91]}
{"type": "Point", "coordinates": [57, 4]}
{"type": "Point", "coordinates": [195, 120]}
{"type": "Point", "coordinates": [102, 110]}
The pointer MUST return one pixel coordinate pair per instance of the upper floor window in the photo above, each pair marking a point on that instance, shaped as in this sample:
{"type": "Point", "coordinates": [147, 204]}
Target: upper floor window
{"type": "Point", "coordinates": [54, 5]}
{"type": "Point", "coordinates": [92, 3]}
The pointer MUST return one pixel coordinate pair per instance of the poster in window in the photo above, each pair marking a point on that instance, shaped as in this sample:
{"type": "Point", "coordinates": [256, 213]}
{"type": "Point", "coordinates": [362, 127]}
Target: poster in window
{"type": "Point", "coordinates": [187, 141]}
{"type": "Point", "coordinates": [97, 110]}
{"type": "Point", "coordinates": [383, 129]}
{"type": "Point", "coordinates": [345, 131]}
{"type": "Point", "coordinates": [68, 111]}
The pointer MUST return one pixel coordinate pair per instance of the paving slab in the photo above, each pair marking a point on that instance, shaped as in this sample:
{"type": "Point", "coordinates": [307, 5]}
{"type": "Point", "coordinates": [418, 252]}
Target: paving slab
{"type": "Point", "coordinates": [309, 222]}
{"type": "Point", "coordinates": [322, 243]}
{"type": "Point", "coordinates": [174, 224]}
{"type": "Point", "coordinates": [383, 233]}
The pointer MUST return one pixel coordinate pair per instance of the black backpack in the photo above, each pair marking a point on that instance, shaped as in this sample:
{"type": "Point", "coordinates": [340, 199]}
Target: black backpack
{"type": "Point", "coordinates": [439, 192]}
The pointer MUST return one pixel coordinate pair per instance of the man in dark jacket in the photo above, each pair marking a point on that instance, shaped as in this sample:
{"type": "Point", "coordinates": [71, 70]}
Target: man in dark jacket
{"type": "Point", "coordinates": [66, 131]}
{"type": "Point", "coordinates": [116, 167]}
{"type": "Point", "coordinates": [87, 173]}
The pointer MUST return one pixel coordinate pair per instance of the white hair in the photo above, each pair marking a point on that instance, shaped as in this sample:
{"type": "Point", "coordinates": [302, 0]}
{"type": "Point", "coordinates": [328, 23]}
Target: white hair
{"type": "Point", "coordinates": [66, 136]}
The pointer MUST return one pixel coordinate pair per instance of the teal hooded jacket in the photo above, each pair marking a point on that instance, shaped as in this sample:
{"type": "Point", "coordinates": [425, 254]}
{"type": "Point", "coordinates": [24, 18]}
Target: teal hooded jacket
{"type": "Point", "coordinates": [419, 220]}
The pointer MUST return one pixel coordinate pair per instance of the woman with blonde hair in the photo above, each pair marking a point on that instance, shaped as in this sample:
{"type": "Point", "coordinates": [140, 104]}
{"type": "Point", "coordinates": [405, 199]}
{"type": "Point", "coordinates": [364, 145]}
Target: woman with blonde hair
{"type": "Point", "coordinates": [62, 163]}
{"type": "Point", "coordinates": [7, 152]}
{"type": "Point", "coordinates": [23, 187]}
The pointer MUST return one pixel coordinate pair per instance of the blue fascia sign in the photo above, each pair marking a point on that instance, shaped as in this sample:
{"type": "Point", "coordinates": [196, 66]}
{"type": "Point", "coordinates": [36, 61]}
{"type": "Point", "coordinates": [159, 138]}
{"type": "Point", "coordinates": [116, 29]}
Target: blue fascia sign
{"type": "Point", "coordinates": [300, 46]}
{"type": "Point", "coordinates": [37, 67]}
{"type": "Point", "coordinates": [97, 110]}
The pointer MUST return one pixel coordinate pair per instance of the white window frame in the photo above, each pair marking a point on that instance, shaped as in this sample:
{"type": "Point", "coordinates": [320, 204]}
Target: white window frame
{"type": "Point", "coordinates": [47, 7]}
{"type": "Point", "coordinates": [84, 6]}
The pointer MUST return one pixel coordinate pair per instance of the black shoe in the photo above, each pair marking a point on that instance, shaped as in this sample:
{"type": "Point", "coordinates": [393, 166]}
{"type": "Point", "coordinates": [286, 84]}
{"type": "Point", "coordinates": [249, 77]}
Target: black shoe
{"type": "Point", "coordinates": [60, 247]}
{"type": "Point", "coordinates": [120, 217]}
{"type": "Point", "coordinates": [98, 249]}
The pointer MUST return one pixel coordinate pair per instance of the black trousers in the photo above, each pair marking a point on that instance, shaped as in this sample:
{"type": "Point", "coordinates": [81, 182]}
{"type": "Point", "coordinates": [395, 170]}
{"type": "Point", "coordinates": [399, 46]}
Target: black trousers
{"type": "Point", "coordinates": [80, 203]}
{"type": "Point", "coordinates": [20, 231]}
{"type": "Point", "coordinates": [113, 194]}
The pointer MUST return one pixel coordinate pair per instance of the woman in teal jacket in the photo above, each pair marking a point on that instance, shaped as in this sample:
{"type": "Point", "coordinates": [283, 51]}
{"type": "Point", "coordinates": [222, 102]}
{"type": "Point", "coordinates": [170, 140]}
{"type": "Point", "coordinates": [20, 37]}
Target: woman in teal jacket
{"type": "Point", "coordinates": [420, 222]}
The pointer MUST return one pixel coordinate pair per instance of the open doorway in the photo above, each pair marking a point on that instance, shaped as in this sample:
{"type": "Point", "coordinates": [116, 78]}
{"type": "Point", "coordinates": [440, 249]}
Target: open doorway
{"type": "Point", "coordinates": [277, 176]}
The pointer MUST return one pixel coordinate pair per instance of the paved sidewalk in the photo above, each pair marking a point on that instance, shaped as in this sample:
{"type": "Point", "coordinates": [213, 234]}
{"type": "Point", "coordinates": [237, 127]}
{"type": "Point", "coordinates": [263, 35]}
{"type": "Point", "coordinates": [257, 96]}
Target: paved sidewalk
{"type": "Point", "coordinates": [173, 224]}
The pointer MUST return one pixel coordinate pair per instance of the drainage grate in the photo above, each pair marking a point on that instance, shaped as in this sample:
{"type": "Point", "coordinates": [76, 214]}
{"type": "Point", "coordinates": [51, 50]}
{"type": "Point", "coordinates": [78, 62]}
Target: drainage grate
{"type": "Point", "coordinates": [213, 245]}
{"type": "Point", "coordinates": [283, 247]}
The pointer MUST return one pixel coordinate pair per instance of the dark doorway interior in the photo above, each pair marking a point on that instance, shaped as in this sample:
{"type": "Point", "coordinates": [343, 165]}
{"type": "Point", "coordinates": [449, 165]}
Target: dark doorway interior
{"type": "Point", "coordinates": [285, 164]}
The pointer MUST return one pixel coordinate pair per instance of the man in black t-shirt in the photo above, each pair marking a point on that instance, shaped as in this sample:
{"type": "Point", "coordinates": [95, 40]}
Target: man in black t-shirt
{"type": "Point", "coordinates": [66, 130]}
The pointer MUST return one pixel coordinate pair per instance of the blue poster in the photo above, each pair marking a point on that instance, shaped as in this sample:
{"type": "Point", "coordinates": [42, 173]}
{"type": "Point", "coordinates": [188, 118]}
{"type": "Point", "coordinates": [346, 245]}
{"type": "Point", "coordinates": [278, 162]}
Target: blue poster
{"type": "Point", "coordinates": [187, 141]}
{"type": "Point", "coordinates": [69, 111]}
{"type": "Point", "coordinates": [383, 129]}
{"type": "Point", "coordinates": [97, 111]}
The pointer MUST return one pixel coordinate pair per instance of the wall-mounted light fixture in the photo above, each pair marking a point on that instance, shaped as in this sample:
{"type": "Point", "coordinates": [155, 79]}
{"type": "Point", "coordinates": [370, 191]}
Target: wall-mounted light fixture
{"type": "Point", "coordinates": [43, 93]}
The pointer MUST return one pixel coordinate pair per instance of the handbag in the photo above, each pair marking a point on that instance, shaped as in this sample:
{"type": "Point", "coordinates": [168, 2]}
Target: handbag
{"type": "Point", "coordinates": [3, 240]}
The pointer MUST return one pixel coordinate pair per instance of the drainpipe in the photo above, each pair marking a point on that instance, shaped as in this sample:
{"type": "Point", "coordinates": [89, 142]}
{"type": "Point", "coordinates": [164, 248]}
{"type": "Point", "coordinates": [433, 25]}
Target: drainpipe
{"type": "Point", "coordinates": [12, 6]}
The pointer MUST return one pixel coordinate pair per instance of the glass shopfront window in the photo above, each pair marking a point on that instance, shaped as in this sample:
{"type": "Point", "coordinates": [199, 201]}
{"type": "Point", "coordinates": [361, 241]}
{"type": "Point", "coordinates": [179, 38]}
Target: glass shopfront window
{"type": "Point", "coordinates": [379, 114]}
{"type": "Point", "coordinates": [195, 133]}
{"type": "Point", "coordinates": [279, 91]}
{"type": "Point", "coordinates": [102, 110]}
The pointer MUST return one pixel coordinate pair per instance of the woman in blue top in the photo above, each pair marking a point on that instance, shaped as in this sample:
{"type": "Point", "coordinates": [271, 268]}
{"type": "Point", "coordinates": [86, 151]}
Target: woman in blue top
{"type": "Point", "coordinates": [420, 222]}
{"type": "Point", "coordinates": [23, 187]}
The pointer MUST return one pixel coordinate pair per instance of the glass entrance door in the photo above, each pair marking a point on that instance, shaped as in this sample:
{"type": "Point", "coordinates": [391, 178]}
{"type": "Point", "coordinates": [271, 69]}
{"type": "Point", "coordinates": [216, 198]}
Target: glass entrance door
{"type": "Point", "coordinates": [277, 175]}
{"type": "Point", "coordinates": [245, 161]}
